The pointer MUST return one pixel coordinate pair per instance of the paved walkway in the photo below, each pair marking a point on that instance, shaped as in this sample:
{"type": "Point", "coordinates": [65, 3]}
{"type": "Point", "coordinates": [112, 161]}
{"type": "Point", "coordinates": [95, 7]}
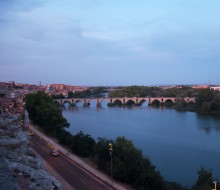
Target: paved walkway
{"type": "Point", "coordinates": [78, 161]}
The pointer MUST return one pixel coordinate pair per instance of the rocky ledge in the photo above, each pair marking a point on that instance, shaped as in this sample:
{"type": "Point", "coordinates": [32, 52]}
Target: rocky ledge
{"type": "Point", "coordinates": [20, 167]}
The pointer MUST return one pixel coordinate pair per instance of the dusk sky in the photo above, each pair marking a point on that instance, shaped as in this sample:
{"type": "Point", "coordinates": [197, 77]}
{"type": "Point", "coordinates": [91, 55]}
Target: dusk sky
{"type": "Point", "coordinates": [110, 42]}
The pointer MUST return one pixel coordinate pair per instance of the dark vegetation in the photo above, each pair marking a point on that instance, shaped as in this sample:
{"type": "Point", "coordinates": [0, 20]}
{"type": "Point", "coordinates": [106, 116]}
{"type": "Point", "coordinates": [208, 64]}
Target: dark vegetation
{"type": "Point", "coordinates": [91, 92]}
{"type": "Point", "coordinates": [2, 94]}
{"type": "Point", "coordinates": [207, 100]}
{"type": "Point", "coordinates": [130, 166]}
{"type": "Point", "coordinates": [152, 91]}
{"type": "Point", "coordinates": [45, 113]}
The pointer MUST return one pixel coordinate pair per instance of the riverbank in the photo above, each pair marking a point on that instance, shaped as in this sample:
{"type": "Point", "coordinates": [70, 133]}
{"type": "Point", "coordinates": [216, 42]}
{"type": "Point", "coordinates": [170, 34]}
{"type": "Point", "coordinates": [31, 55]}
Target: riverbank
{"type": "Point", "coordinates": [80, 162]}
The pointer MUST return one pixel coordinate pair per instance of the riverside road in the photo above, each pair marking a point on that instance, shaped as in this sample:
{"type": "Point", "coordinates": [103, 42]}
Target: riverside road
{"type": "Point", "coordinates": [78, 178]}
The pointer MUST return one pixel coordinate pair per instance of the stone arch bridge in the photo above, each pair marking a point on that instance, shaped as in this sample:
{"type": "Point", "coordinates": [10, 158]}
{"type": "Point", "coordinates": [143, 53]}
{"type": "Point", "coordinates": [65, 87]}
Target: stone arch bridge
{"type": "Point", "coordinates": [125, 100]}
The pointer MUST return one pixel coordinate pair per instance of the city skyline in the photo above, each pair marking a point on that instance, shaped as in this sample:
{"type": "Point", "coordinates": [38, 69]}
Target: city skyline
{"type": "Point", "coordinates": [110, 43]}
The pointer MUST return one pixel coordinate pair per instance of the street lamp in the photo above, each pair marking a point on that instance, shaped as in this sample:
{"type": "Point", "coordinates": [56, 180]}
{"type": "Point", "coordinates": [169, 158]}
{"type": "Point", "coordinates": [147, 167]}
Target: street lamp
{"type": "Point", "coordinates": [215, 182]}
{"type": "Point", "coordinates": [110, 151]}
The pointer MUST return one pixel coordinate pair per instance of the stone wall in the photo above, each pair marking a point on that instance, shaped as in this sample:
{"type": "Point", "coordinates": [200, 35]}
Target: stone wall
{"type": "Point", "coordinates": [20, 167]}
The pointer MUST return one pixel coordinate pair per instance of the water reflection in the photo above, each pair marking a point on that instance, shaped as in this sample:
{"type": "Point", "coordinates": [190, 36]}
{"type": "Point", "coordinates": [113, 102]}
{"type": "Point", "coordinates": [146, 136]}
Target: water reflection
{"type": "Point", "coordinates": [209, 123]}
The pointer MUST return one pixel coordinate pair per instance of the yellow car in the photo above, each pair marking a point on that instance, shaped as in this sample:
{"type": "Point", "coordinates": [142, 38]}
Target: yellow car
{"type": "Point", "coordinates": [54, 153]}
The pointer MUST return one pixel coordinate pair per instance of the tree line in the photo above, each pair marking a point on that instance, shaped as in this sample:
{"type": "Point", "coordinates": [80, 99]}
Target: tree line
{"type": "Point", "coordinates": [88, 93]}
{"type": "Point", "coordinates": [130, 166]}
{"type": "Point", "coordinates": [207, 100]}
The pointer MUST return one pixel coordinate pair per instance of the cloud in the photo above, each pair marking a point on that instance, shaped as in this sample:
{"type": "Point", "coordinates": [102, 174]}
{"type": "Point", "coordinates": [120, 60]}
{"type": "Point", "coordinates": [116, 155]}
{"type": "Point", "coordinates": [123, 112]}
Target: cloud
{"type": "Point", "coordinates": [19, 5]}
{"type": "Point", "coordinates": [120, 37]}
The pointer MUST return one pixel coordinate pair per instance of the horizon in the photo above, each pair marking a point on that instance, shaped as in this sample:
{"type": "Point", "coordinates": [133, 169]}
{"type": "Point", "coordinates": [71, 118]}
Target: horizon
{"type": "Point", "coordinates": [40, 83]}
{"type": "Point", "coordinates": [110, 43]}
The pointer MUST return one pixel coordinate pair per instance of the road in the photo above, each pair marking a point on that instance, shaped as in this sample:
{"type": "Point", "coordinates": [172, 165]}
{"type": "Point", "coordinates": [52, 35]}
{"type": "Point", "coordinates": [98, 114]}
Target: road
{"type": "Point", "coordinates": [76, 176]}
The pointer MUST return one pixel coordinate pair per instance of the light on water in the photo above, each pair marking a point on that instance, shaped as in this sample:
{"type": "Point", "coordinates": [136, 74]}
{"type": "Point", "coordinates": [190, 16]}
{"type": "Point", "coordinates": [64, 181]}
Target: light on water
{"type": "Point", "coordinates": [177, 143]}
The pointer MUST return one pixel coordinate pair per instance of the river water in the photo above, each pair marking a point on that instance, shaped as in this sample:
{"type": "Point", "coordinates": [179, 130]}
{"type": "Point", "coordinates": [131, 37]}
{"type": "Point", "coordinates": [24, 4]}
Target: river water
{"type": "Point", "coordinates": [177, 143]}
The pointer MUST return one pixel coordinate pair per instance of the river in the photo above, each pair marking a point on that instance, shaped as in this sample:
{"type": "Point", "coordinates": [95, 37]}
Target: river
{"type": "Point", "coordinates": [177, 143]}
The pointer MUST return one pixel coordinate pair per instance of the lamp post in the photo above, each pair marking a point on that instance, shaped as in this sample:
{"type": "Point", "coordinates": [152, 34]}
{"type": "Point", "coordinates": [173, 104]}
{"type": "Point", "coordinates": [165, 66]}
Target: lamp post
{"type": "Point", "coordinates": [215, 183]}
{"type": "Point", "coordinates": [110, 151]}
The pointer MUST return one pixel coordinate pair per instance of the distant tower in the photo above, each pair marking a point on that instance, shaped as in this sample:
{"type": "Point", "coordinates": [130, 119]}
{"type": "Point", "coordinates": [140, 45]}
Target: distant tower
{"type": "Point", "coordinates": [39, 85]}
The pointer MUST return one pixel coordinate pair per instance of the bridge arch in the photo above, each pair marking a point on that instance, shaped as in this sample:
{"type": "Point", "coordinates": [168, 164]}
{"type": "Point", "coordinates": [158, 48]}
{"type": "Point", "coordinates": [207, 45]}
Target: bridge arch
{"type": "Point", "coordinates": [155, 102]}
{"type": "Point", "coordinates": [142, 101]}
{"type": "Point", "coordinates": [130, 102]}
{"type": "Point", "coordinates": [168, 103]}
{"type": "Point", "coordinates": [118, 102]}
{"type": "Point", "coordinates": [67, 101]}
{"type": "Point", "coordinates": [168, 100]}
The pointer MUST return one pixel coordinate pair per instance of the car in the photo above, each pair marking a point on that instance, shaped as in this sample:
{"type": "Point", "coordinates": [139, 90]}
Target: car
{"type": "Point", "coordinates": [30, 133]}
{"type": "Point", "coordinates": [54, 153]}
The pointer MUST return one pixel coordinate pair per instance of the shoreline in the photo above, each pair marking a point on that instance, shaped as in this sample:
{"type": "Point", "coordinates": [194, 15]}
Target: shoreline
{"type": "Point", "coordinates": [79, 161]}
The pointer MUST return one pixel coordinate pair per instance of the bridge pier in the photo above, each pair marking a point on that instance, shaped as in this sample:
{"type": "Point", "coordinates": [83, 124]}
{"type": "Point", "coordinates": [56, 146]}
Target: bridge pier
{"type": "Point", "coordinates": [86, 104]}
{"type": "Point", "coordinates": [73, 104]}
{"type": "Point", "coordinates": [98, 104]}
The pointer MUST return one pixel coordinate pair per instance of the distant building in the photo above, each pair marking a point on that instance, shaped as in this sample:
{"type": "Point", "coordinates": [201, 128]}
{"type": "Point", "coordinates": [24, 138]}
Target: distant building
{"type": "Point", "coordinates": [200, 86]}
{"type": "Point", "coordinates": [3, 86]}
{"type": "Point", "coordinates": [64, 89]}
{"type": "Point", "coordinates": [215, 88]}
{"type": "Point", "coordinates": [11, 84]}
{"type": "Point", "coordinates": [57, 86]}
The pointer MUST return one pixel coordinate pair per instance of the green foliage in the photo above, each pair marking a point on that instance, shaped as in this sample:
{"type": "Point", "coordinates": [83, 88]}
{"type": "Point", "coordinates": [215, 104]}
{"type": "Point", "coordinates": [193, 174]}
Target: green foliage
{"type": "Point", "coordinates": [143, 91]}
{"type": "Point", "coordinates": [133, 91]}
{"type": "Point", "coordinates": [208, 100]}
{"type": "Point", "coordinates": [65, 137]}
{"type": "Point", "coordinates": [70, 94]}
{"type": "Point", "coordinates": [97, 91]}
{"type": "Point", "coordinates": [174, 186]}
{"type": "Point", "coordinates": [129, 164]}
{"type": "Point", "coordinates": [206, 107]}
{"type": "Point", "coordinates": [91, 92]}
{"type": "Point", "coordinates": [204, 181]}
{"type": "Point", "coordinates": [58, 96]}
{"type": "Point", "coordinates": [102, 157]}
{"type": "Point", "coordinates": [44, 112]}
{"type": "Point", "coordinates": [83, 145]}
{"type": "Point", "coordinates": [205, 95]}
{"type": "Point", "coordinates": [180, 104]}
{"type": "Point", "coordinates": [82, 94]}
{"type": "Point", "coordinates": [217, 101]}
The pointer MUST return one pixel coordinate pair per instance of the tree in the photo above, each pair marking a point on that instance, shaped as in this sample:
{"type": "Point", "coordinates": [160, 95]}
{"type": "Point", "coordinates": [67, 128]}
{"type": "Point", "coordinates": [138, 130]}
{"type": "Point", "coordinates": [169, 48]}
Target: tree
{"type": "Point", "coordinates": [102, 157]}
{"type": "Point", "coordinates": [83, 145]}
{"type": "Point", "coordinates": [58, 96]}
{"type": "Point", "coordinates": [70, 94]}
{"type": "Point", "coordinates": [204, 181]}
{"type": "Point", "coordinates": [217, 100]}
{"type": "Point", "coordinates": [206, 107]}
{"type": "Point", "coordinates": [129, 165]}
{"type": "Point", "coordinates": [44, 112]}
{"type": "Point", "coordinates": [180, 103]}
{"type": "Point", "coordinates": [204, 95]}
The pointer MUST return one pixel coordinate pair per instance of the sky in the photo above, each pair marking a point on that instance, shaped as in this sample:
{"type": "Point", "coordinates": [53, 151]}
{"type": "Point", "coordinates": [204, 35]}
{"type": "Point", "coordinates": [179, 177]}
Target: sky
{"type": "Point", "coordinates": [110, 42]}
